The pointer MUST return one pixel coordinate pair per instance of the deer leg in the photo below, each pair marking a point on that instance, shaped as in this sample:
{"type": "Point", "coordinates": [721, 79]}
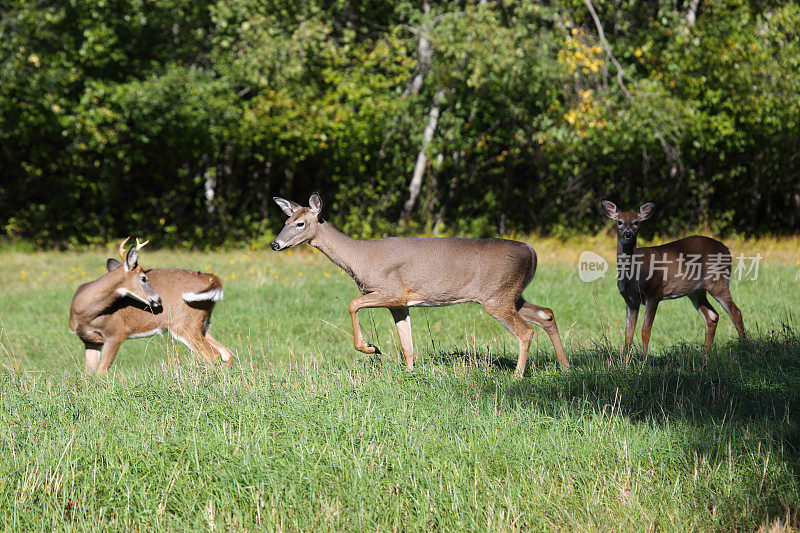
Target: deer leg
{"type": "Point", "coordinates": [544, 318]}
{"type": "Point", "coordinates": [197, 344]}
{"type": "Point", "coordinates": [373, 299]}
{"type": "Point", "coordinates": [710, 317]}
{"type": "Point", "coordinates": [402, 320]}
{"type": "Point", "coordinates": [650, 308]}
{"type": "Point", "coordinates": [631, 316]}
{"type": "Point", "coordinates": [109, 353]}
{"type": "Point", "coordinates": [723, 296]}
{"type": "Point", "coordinates": [92, 356]}
{"type": "Point", "coordinates": [515, 323]}
{"type": "Point", "coordinates": [224, 353]}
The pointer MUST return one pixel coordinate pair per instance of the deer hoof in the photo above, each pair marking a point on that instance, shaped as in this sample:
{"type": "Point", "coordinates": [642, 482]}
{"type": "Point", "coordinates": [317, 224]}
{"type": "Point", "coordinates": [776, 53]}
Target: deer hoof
{"type": "Point", "coordinates": [371, 348]}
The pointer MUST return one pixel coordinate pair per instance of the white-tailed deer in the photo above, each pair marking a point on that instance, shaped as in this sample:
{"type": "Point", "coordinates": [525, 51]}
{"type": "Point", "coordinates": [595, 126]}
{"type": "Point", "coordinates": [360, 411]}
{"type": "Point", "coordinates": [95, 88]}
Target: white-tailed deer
{"type": "Point", "coordinates": [129, 302]}
{"type": "Point", "coordinates": [688, 267]}
{"type": "Point", "coordinates": [402, 272]}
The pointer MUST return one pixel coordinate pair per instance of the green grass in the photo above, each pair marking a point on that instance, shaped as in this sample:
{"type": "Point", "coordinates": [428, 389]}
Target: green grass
{"type": "Point", "coordinates": [304, 433]}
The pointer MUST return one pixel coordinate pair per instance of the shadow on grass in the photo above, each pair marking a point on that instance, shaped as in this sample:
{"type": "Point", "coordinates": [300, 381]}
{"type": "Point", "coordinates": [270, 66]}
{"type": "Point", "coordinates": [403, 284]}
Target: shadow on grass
{"type": "Point", "coordinates": [750, 384]}
{"type": "Point", "coordinates": [741, 394]}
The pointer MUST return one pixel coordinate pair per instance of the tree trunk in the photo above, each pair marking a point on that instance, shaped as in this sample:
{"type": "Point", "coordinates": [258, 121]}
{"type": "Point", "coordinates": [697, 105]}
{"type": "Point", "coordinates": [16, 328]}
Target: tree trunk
{"type": "Point", "coordinates": [415, 186]}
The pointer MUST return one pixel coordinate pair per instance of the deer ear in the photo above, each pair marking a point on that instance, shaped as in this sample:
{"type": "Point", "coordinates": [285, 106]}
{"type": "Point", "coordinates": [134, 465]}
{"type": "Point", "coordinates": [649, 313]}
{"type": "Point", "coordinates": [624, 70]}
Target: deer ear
{"type": "Point", "coordinates": [315, 203]}
{"type": "Point", "coordinates": [609, 209]}
{"type": "Point", "coordinates": [646, 210]}
{"type": "Point", "coordinates": [131, 259]}
{"type": "Point", "coordinates": [112, 265]}
{"type": "Point", "coordinates": [287, 206]}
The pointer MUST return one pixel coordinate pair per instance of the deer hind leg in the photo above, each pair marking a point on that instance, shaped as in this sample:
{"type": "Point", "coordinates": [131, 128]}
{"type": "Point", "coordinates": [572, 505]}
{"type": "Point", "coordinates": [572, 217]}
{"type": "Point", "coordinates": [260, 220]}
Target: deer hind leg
{"type": "Point", "coordinates": [402, 320]}
{"type": "Point", "coordinates": [710, 316]}
{"type": "Point", "coordinates": [197, 343]}
{"type": "Point", "coordinates": [224, 353]}
{"type": "Point", "coordinates": [650, 308]}
{"type": "Point", "coordinates": [544, 318]}
{"type": "Point", "coordinates": [515, 323]}
{"type": "Point", "coordinates": [93, 351]}
{"type": "Point", "coordinates": [107, 356]}
{"type": "Point", "coordinates": [723, 296]}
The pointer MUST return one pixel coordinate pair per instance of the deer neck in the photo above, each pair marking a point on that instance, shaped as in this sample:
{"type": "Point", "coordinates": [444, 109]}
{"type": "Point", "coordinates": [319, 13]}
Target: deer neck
{"type": "Point", "coordinates": [345, 252]}
{"type": "Point", "coordinates": [626, 248]}
{"type": "Point", "coordinates": [97, 296]}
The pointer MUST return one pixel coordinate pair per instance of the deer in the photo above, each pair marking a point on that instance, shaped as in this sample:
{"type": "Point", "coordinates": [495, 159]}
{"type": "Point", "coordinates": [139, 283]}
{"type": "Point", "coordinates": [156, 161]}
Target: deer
{"type": "Point", "coordinates": [693, 267]}
{"type": "Point", "coordinates": [129, 302]}
{"type": "Point", "coordinates": [402, 272]}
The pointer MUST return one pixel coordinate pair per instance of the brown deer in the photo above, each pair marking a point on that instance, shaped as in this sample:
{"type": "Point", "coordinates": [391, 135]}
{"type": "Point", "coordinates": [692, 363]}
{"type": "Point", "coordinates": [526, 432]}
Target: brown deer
{"type": "Point", "coordinates": [689, 267]}
{"type": "Point", "coordinates": [402, 272]}
{"type": "Point", "coordinates": [129, 302]}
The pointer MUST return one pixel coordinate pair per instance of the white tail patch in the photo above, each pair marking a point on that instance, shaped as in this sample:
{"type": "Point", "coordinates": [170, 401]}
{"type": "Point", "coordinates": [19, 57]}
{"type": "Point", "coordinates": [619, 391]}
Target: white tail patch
{"type": "Point", "coordinates": [211, 295]}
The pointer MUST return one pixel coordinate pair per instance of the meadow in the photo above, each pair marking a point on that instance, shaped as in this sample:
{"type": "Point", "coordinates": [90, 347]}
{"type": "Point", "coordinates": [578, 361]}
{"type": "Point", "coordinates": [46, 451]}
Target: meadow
{"type": "Point", "coordinates": [301, 432]}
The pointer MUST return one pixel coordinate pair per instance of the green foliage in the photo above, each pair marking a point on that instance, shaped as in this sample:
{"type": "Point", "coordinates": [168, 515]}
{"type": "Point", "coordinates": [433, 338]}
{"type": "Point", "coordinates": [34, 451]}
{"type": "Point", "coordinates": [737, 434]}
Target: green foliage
{"type": "Point", "coordinates": [180, 120]}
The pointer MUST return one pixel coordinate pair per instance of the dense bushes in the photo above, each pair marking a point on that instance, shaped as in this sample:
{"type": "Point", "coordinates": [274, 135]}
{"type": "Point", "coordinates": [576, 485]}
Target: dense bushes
{"type": "Point", "coordinates": [180, 120]}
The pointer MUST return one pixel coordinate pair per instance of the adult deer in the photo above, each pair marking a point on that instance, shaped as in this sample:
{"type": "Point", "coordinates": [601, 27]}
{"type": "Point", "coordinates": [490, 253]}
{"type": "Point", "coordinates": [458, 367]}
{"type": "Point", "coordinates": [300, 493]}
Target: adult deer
{"type": "Point", "coordinates": [129, 302]}
{"type": "Point", "coordinates": [688, 267]}
{"type": "Point", "coordinates": [402, 272]}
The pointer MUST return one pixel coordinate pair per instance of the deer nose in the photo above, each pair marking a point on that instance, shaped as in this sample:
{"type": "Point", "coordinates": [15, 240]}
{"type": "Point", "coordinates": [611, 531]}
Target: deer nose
{"type": "Point", "coordinates": [157, 301]}
{"type": "Point", "coordinates": [627, 234]}
{"type": "Point", "coordinates": [275, 246]}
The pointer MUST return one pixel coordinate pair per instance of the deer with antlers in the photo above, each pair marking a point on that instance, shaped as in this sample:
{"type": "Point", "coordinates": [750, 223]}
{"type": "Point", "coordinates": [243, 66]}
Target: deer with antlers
{"type": "Point", "coordinates": [401, 272]}
{"type": "Point", "coordinates": [691, 267]}
{"type": "Point", "coordinates": [129, 302]}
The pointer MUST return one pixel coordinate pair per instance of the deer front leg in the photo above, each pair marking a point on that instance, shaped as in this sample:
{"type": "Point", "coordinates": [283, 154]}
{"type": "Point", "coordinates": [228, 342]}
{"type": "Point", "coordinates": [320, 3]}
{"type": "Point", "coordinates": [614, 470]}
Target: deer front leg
{"type": "Point", "coordinates": [631, 316]}
{"type": "Point", "coordinates": [373, 299]}
{"type": "Point", "coordinates": [92, 356]}
{"type": "Point", "coordinates": [110, 349]}
{"type": "Point", "coordinates": [650, 308]}
{"type": "Point", "coordinates": [402, 320]}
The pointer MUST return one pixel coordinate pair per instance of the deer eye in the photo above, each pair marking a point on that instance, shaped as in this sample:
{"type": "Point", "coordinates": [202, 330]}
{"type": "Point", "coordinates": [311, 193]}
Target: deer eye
{"type": "Point", "coordinates": [300, 224]}
{"type": "Point", "coordinates": [635, 224]}
{"type": "Point", "coordinates": [619, 222]}
{"type": "Point", "coordinates": [144, 279]}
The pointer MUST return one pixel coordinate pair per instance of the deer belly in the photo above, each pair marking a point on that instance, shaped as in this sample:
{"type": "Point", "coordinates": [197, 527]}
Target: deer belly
{"type": "Point", "coordinates": [145, 334]}
{"type": "Point", "coordinates": [424, 303]}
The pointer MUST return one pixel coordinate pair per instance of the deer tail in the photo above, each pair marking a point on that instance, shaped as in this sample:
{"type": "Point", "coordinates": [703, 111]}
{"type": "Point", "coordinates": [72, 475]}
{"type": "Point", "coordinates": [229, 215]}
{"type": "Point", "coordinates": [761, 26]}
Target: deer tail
{"type": "Point", "coordinates": [212, 293]}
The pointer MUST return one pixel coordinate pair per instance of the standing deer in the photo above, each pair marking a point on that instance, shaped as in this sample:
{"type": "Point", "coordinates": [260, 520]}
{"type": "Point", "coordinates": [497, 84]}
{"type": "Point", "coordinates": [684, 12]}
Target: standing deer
{"type": "Point", "coordinates": [129, 303]}
{"type": "Point", "coordinates": [689, 267]}
{"type": "Point", "coordinates": [402, 272]}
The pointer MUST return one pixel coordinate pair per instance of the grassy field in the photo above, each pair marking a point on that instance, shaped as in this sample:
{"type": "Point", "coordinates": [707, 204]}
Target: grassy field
{"type": "Point", "coordinates": [302, 432]}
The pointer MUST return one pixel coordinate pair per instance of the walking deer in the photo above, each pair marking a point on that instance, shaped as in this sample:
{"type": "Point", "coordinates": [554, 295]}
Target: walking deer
{"type": "Point", "coordinates": [688, 267]}
{"type": "Point", "coordinates": [402, 272]}
{"type": "Point", "coordinates": [129, 303]}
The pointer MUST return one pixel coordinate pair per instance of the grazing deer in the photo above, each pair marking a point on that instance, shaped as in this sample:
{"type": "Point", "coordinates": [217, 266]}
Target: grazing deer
{"type": "Point", "coordinates": [129, 303]}
{"type": "Point", "coordinates": [689, 267]}
{"type": "Point", "coordinates": [402, 272]}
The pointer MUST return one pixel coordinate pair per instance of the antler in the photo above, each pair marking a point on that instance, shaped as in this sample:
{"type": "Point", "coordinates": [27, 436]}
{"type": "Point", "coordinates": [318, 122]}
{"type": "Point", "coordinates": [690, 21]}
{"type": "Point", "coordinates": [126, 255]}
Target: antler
{"type": "Point", "coordinates": [122, 249]}
{"type": "Point", "coordinates": [140, 246]}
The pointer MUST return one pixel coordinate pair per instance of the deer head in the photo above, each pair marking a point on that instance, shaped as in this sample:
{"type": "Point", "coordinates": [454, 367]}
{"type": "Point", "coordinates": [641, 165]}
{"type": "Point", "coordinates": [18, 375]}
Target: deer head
{"type": "Point", "coordinates": [132, 279]}
{"type": "Point", "coordinates": [302, 225]}
{"type": "Point", "coordinates": [627, 221]}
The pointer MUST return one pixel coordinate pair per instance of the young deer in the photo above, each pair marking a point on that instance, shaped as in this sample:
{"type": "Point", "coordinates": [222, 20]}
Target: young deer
{"type": "Point", "coordinates": [398, 273]}
{"type": "Point", "coordinates": [129, 303]}
{"type": "Point", "coordinates": [689, 267]}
